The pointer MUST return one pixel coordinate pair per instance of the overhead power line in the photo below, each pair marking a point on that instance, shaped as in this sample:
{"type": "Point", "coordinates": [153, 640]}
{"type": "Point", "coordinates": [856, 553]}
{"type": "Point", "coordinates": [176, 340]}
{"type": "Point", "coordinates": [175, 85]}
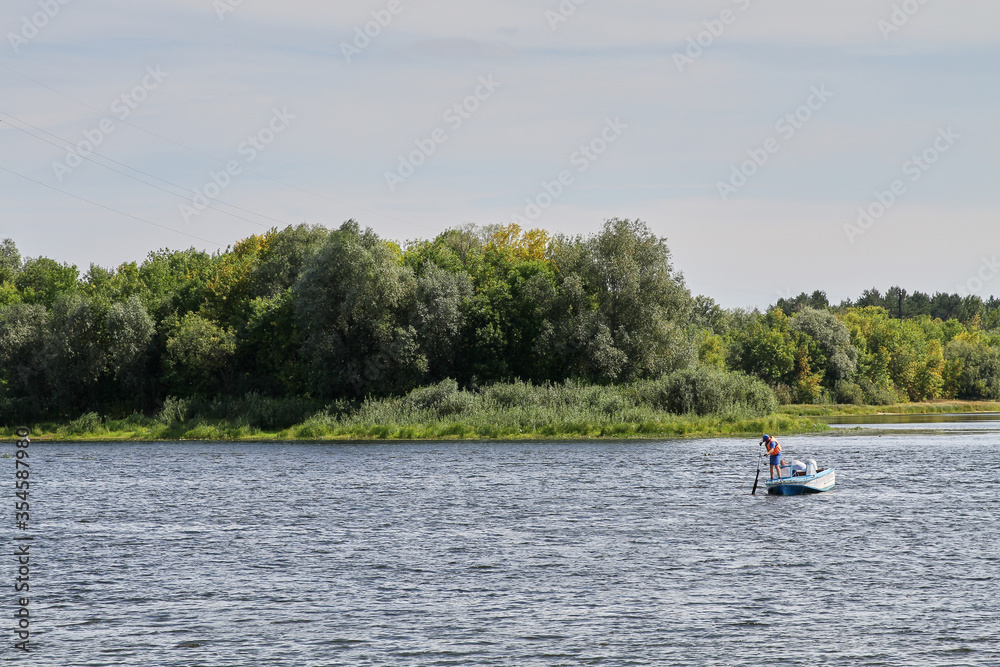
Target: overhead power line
{"type": "Point", "coordinates": [108, 208]}
{"type": "Point", "coordinates": [90, 157]}
{"type": "Point", "coordinates": [213, 157]}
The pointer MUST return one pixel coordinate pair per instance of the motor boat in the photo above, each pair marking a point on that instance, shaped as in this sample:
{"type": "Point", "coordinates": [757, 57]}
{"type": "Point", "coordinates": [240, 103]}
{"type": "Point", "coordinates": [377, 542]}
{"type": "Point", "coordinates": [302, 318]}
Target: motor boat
{"type": "Point", "coordinates": [801, 478]}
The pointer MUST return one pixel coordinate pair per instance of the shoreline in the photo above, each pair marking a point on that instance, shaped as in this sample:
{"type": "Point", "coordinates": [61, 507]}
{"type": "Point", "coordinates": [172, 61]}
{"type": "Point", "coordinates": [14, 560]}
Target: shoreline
{"type": "Point", "coordinates": [787, 421]}
{"type": "Point", "coordinates": [943, 406]}
{"type": "Point", "coordinates": [222, 432]}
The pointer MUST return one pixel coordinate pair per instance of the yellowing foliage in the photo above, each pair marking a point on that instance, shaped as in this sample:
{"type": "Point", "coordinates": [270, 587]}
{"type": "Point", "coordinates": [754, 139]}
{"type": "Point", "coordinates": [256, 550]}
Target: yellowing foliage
{"type": "Point", "coordinates": [397, 252]}
{"type": "Point", "coordinates": [518, 246]}
{"type": "Point", "coordinates": [231, 272]}
{"type": "Point", "coordinates": [973, 336]}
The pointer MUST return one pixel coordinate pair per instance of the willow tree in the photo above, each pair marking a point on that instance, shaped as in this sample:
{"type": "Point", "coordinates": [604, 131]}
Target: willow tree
{"type": "Point", "coordinates": [626, 305]}
{"type": "Point", "coordinates": [353, 304]}
{"type": "Point", "coordinates": [24, 386]}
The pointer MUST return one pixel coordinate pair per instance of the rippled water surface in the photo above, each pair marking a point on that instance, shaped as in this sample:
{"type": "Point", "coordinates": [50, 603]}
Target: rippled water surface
{"type": "Point", "coordinates": [637, 553]}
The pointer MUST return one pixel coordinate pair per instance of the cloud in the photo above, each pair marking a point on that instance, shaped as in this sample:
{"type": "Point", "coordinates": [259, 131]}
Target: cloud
{"type": "Point", "coordinates": [469, 49]}
{"type": "Point", "coordinates": [354, 119]}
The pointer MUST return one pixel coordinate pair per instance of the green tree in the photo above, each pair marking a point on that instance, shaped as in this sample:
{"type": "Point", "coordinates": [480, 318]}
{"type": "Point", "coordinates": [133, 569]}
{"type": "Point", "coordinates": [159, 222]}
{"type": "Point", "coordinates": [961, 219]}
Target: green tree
{"type": "Point", "coordinates": [830, 348]}
{"type": "Point", "coordinates": [712, 350]}
{"type": "Point", "coordinates": [284, 257]}
{"type": "Point", "coordinates": [115, 285]}
{"type": "Point", "coordinates": [872, 337]}
{"type": "Point", "coordinates": [41, 280]}
{"type": "Point", "coordinates": [504, 316]}
{"type": "Point", "coordinates": [974, 369]}
{"type": "Point", "coordinates": [10, 261]}
{"type": "Point", "coordinates": [575, 340]}
{"type": "Point", "coordinates": [198, 356]}
{"type": "Point", "coordinates": [174, 281]}
{"type": "Point", "coordinates": [129, 332]}
{"type": "Point", "coordinates": [929, 380]}
{"type": "Point", "coordinates": [267, 355]}
{"type": "Point", "coordinates": [353, 303]}
{"type": "Point", "coordinates": [641, 303]}
{"type": "Point", "coordinates": [895, 355]}
{"type": "Point", "coordinates": [75, 354]}
{"type": "Point", "coordinates": [438, 317]}
{"type": "Point", "coordinates": [707, 314]}
{"type": "Point", "coordinates": [23, 377]}
{"type": "Point", "coordinates": [946, 306]}
{"type": "Point", "coordinates": [817, 301]}
{"type": "Point", "coordinates": [766, 349]}
{"type": "Point", "coordinates": [871, 298]}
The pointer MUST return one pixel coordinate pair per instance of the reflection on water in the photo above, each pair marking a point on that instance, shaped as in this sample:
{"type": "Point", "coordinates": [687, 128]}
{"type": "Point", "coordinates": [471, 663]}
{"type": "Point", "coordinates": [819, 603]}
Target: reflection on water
{"type": "Point", "coordinates": [968, 421]}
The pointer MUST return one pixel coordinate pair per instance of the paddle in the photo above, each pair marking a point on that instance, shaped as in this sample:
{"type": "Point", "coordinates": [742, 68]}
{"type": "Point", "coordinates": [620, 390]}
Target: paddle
{"type": "Point", "coordinates": [754, 492]}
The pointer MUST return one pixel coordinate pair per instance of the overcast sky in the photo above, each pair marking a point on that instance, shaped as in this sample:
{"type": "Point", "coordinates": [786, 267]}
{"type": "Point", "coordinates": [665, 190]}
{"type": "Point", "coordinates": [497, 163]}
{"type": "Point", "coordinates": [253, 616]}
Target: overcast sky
{"type": "Point", "coordinates": [749, 133]}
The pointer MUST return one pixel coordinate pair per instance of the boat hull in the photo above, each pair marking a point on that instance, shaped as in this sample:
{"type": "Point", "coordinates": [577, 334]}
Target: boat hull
{"type": "Point", "coordinates": [794, 486]}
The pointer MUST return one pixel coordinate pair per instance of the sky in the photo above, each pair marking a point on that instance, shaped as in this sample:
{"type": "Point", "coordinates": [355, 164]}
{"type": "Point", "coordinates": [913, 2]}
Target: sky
{"type": "Point", "coordinates": [779, 146]}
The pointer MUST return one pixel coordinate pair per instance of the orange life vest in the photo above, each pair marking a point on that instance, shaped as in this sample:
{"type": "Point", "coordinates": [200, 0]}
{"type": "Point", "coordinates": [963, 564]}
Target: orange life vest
{"type": "Point", "coordinates": [775, 450]}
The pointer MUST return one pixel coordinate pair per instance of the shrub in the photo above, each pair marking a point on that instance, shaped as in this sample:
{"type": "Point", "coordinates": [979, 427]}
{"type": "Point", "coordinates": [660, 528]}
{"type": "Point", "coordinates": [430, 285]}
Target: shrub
{"type": "Point", "coordinates": [258, 411]}
{"type": "Point", "coordinates": [86, 423]}
{"type": "Point", "coordinates": [317, 426]}
{"type": "Point", "coordinates": [510, 395]}
{"type": "Point", "coordinates": [705, 390]}
{"type": "Point", "coordinates": [134, 419]}
{"type": "Point", "coordinates": [876, 395]}
{"type": "Point", "coordinates": [443, 398]}
{"type": "Point", "coordinates": [976, 370]}
{"type": "Point", "coordinates": [848, 393]}
{"type": "Point", "coordinates": [174, 410]}
{"type": "Point", "coordinates": [784, 394]}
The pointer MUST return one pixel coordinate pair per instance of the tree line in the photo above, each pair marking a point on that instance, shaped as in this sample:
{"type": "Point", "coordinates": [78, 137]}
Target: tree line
{"type": "Point", "coordinates": [341, 315]}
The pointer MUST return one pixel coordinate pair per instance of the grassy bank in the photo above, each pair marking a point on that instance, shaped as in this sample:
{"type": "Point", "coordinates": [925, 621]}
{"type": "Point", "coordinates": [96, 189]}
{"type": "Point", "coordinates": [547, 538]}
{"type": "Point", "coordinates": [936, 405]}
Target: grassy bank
{"type": "Point", "coordinates": [514, 411]}
{"type": "Point", "coordinates": [924, 407]}
{"type": "Point", "coordinates": [686, 405]}
{"type": "Point", "coordinates": [483, 427]}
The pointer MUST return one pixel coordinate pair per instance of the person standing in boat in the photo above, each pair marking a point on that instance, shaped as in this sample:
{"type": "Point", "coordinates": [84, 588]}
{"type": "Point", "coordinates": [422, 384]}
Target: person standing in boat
{"type": "Point", "coordinates": [774, 451]}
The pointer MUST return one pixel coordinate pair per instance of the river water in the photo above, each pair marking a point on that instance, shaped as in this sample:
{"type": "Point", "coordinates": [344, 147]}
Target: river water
{"type": "Point", "coordinates": [590, 553]}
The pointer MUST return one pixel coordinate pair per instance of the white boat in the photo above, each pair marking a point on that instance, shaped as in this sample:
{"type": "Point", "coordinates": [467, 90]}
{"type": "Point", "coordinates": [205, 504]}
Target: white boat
{"type": "Point", "coordinates": [810, 480]}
